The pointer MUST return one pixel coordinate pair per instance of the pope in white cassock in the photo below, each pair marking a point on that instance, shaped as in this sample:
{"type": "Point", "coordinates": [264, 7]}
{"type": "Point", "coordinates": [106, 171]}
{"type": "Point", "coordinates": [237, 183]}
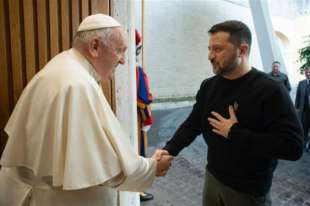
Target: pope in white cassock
{"type": "Point", "coordinates": [65, 146]}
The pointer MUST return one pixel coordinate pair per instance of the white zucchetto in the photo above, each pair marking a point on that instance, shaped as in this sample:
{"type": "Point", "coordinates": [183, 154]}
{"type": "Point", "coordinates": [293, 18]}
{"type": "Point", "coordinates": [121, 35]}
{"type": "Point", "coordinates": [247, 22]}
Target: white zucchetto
{"type": "Point", "coordinates": [97, 21]}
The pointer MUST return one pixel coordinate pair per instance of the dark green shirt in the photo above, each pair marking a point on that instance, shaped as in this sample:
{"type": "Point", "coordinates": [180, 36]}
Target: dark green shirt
{"type": "Point", "coordinates": [281, 78]}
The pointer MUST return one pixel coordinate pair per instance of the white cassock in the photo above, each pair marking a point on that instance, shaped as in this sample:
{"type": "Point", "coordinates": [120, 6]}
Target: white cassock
{"type": "Point", "coordinates": [65, 146]}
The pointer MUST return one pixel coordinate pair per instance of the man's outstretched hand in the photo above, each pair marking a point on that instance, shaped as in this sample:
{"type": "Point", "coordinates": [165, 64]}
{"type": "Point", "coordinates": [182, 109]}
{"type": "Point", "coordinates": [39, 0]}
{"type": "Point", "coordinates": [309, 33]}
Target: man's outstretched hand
{"type": "Point", "coordinates": [163, 160]}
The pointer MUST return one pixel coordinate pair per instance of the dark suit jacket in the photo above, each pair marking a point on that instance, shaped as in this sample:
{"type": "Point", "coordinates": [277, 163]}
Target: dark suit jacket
{"type": "Point", "coordinates": [300, 96]}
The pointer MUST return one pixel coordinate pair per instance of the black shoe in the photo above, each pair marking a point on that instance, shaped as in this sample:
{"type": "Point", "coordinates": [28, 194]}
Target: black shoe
{"type": "Point", "coordinates": [144, 196]}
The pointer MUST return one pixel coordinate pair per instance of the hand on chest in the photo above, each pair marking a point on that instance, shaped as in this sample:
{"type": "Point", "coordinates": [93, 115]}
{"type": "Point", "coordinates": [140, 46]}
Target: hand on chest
{"type": "Point", "coordinates": [246, 108]}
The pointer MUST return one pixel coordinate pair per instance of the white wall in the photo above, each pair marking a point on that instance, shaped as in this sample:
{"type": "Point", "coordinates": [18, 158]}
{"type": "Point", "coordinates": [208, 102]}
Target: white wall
{"type": "Point", "coordinates": [295, 30]}
{"type": "Point", "coordinates": [176, 42]}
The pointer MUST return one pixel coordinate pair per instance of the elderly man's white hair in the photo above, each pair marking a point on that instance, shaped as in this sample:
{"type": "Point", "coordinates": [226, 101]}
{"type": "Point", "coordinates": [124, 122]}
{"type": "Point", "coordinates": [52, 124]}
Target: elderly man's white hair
{"type": "Point", "coordinates": [97, 25]}
{"type": "Point", "coordinates": [106, 35]}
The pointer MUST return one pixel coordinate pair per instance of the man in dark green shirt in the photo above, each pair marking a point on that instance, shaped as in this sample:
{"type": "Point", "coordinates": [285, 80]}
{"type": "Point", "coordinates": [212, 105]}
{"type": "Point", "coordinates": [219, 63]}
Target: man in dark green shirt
{"type": "Point", "coordinates": [279, 76]}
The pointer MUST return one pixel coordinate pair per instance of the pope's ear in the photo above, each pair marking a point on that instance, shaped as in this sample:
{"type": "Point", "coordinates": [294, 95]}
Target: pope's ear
{"type": "Point", "coordinates": [93, 47]}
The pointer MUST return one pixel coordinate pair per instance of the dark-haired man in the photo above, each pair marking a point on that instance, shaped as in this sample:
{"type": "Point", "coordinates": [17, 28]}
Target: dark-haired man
{"type": "Point", "coordinates": [279, 76]}
{"type": "Point", "coordinates": [246, 118]}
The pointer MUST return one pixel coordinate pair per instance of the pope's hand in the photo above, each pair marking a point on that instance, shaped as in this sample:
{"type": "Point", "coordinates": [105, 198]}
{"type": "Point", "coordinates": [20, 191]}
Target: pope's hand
{"type": "Point", "coordinates": [159, 153]}
{"type": "Point", "coordinates": [163, 160]}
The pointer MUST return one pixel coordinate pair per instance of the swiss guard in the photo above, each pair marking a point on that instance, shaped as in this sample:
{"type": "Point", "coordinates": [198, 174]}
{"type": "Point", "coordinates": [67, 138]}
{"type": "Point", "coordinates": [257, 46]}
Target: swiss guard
{"type": "Point", "coordinates": [144, 99]}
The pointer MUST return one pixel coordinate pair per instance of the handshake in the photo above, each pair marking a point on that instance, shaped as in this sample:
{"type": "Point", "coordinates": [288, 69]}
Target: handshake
{"type": "Point", "coordinates": [163, 162]}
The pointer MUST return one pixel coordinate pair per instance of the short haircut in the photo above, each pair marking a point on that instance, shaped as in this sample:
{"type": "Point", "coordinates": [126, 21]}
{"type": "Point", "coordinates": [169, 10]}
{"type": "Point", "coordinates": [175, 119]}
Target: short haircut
{"type": "Point", "coordinates": [239, 32]}
{"type": "Point", "coordinates": [276, 62]}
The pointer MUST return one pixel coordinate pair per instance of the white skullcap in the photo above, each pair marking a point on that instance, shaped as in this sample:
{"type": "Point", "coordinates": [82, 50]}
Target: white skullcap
{"type": "Point", "coordinates": [97, 21]}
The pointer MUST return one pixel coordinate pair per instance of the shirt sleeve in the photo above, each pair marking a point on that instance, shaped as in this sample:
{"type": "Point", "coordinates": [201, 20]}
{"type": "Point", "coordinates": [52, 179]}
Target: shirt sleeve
{"type": "Point", "coordinates": [140, 180]}
{"type": "Point", "coordinates": [287, 84]}
{"type": "Point", "coordinates": [189, 129]}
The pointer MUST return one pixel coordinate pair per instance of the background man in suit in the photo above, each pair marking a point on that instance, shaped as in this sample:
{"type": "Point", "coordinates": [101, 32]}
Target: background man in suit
{"type": "Point", "coordinates": [302, 104]}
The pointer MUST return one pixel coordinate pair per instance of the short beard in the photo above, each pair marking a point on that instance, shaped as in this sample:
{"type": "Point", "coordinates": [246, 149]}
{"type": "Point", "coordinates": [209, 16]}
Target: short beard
{"type": "Point", "coordinates": [232, 66]}
{"type": "Point", "coordinates": [227, 70]}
